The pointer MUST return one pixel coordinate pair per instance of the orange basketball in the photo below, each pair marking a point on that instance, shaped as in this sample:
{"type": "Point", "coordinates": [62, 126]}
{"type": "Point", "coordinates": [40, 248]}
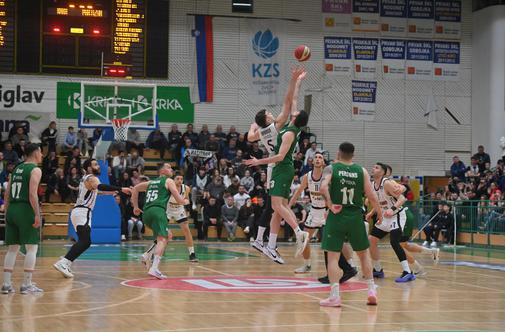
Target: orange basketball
{"type": "Point", "coordinates": [302, 53]}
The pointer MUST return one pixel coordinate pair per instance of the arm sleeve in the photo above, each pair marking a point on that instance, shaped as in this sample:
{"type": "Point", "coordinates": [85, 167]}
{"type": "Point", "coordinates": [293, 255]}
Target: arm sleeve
{"type": "Point", "coordinates": [107, 187]}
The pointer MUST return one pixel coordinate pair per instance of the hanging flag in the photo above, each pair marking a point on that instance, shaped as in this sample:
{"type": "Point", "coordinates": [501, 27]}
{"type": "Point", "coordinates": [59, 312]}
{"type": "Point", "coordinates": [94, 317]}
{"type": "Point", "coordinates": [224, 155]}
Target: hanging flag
{"type": "Point", "coordinates": [204, 57]}
{"type": "Point", "coordinates": [431, 113]}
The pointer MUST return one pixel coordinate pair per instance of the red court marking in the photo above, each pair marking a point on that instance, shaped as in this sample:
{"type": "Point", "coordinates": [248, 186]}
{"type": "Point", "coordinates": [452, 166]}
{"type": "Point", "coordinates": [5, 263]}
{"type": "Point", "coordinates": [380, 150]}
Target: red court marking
{"type": "Point", "coordinates": [242, 284]}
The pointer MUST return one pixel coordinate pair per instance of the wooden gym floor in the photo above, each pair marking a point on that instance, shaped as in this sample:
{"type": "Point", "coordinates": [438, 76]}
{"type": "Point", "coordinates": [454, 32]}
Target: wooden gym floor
{"type": "Point", "coordinates": [221, 293]}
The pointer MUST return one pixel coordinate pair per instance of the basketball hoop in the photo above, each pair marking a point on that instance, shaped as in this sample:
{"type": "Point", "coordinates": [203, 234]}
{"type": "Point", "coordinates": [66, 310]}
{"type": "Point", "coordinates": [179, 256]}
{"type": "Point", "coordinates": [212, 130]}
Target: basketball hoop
{"type": "Point", "coordinates": [120, 127]}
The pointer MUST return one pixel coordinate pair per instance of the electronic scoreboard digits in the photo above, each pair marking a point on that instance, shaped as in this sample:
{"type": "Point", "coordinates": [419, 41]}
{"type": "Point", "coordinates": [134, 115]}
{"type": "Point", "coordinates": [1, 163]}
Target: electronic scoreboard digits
{"type": "Point", "coordinates": [7, 25]}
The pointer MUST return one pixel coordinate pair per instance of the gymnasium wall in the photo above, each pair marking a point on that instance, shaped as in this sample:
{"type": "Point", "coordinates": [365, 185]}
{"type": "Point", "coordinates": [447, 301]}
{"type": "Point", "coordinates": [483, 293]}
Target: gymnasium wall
{"type": "Point", "coordinates": [399, 134]}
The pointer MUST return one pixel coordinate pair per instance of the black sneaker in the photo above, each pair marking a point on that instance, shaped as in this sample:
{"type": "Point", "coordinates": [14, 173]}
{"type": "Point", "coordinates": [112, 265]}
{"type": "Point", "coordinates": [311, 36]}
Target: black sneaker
{"type": "Point", "coordinates": [192, 258]}
{"type": "Point", "coordinates": [348, 275]}
{"type": "Point", "coordinates": [324, 280]}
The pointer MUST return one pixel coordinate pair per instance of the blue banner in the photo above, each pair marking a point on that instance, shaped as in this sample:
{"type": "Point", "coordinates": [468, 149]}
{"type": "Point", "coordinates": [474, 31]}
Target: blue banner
{"type": "Point", "coordinates": [448, 11]}
{"type": "Point", "coordinates": [393, 49]}
{"type": "Point", "coordinates": [421, 9]}
{"type": "Point", "coordinates": [419, 50]}
{"type": "Point", "coordinates": [337, 48]}
{"type": "Point", "coordinates": [446, 52]}
{"type": "Point", "coordinates": [393, 8]}
{"type": "Point", "coordinates": [365, 48]}
{"type": "Point", "coordinates": [364, 91]}
{"type": "Point", "coordinates": [365, 6]}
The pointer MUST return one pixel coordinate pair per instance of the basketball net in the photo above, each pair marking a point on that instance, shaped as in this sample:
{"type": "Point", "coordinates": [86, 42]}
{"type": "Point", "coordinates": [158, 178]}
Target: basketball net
{"type": "Point", "coordinates": [120, 127]}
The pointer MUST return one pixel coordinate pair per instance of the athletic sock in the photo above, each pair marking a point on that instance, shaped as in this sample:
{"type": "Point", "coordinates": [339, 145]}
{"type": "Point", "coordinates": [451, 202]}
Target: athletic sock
{"type": "Point", "coordinates": [307, 262]}
{"type": "Point", "coordinates": [405, 266]}
{"type": "Point", "coordinates": [297, 230]}
{"type": "Point", "coordinates": [27, 281]}
{"type": "Point", "coordinates": [377, 265]}
{"type": "Point", "coordinates": [335, 290]}
{"type": "Point", "coordinates": [371, 284]}
{"type": "Point", "coordinates": [156, 262]}
{"type": "Point", "coordinates": [261, 232]}
{"type": "Point", "coordinates": [272, 241]}
{"type": "Point", "coordinates": [191, 250]}
{"type": "Point", "coordinates": [417, 267]}
{"type": "Point", "coordinates": [7, 278]}
{"type": "Point", "coordinates": [351, 262]}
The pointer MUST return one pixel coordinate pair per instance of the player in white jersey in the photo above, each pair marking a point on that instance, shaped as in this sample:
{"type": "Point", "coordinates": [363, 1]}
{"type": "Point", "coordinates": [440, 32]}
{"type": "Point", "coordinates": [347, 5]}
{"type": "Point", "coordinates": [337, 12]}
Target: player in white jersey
{"type": "Point", "coordinates": [81, 214]}
{"type": "Point", "coordinates": [266, 128]}
{"type": "Point", "coordinates": [393, 221]}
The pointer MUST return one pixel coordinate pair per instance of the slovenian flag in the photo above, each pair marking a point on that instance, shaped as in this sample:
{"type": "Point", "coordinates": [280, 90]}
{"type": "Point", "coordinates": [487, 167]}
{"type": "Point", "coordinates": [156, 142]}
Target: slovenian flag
{"type": "Point", "coordinates": [204, 57]}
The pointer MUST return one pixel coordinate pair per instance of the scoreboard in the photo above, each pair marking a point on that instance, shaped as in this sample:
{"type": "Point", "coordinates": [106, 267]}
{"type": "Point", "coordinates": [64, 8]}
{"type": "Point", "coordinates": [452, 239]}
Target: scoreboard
{"type": "Point", "coordinates": [77, 36]}
{"type": "Point", "coordinates": [7, 22]}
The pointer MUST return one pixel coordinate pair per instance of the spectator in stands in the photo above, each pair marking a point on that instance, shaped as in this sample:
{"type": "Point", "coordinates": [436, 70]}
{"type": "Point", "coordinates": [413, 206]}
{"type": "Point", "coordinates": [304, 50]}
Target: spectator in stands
{"type": "Point", "coordinates": [49, 165]}
{"type": "Point", "coordinates": [444, 220]}
{"type": "Point", "coordinates": [298, 162]}
{"type": "Point", "coordinates": [409, 195]}
{"type": "Point", "coordinates": [95, 137]}
{"type": "Point", "coordinates": [237, 161]}
{"type": "Point", "coordinates": [230, 175]}
{"type": "Point", "coordinates": [242, 143]}
{"type": "Point", "coordinates": [247, 181]}
{"type": "Point", "coordinates": [232, 189]}
{"type": "Point", "coordinates": [295, 184]}
{"type": "Point", "coordinates": [112, 179]}
{"type": "Point", "coordinates": [203, 137]}
{"type": "Point", "coordinates": [232, 134]}
{"type": "Point", "coordinates": [307, 167]}
{"type": "Point", "coordinates": [188, 144]}
{"type": "Point", "coordinates": [310, 153]}
{"type": "Point", "coordinates": [18, 136]}
{"type": "Point", "coordinates": [229, 215]}
{"type": "Point", "coordinates": [20, 148]}
{"type": "Point", "coordinates": [73, 159]}
{"type": "Point", "coordinates": [304, 146]}
{"type": "Point", "coordinates": [458, 168]}
{"type": "Point", "coordinates": [83, 141]}
{"type": "Point", "coordinates": [246, 217]}
{"type": "Point", "coordinates": [241, 197]}
{"type": "Point", "coordinates": [73, 180]}
{"type": "Point", "coordinates": [259, 206]}
{"type": "Point", "coordinates": [473, 171]}
{"type": "Point", "coordinates": [132, 220]}
{"type": "Point", "coordinates": [14, 129]}
{"type": "Point", "coordinates": [57, 184]}
{"type": "Point", "coordinates": [259, 186]}
{"type": "Point", "coordinates": [70, 140]}
{"type": "Point", "coordinates": [157, 140]}
{"type": "Point", "coordinates": [216, 189]}
{"type": "Point", "coordinates": [135, 162]}
{"type": "Point", "coordinates": [212, 217]}
{"type": "Point", "coordinates": [2, 162]}
{"type": "Point", "coordinates": [125, 180]}
{"type": "Point", "coordinates": [119, 164]}
{"type": "Point", "coordinates": [200, 182]}
{"type": "Point", "coordinates": [212, 144]}
{"type": "Point", "coordinates": [482, 157]}
{"type": "Point", "coordinates": [220, 136]}
{"type": "Point", "coordinates": [49, 136]}
{"type": "Point", "coordinates": [10, 156]}
{"type": "Point", "coordinates": [174, 141]}
{"type": "Point", "coordinates": [230, 151]}
{"type": "Point", "coordinates": [136, 177]}
{"type": "Point", "coordinates": [2, 202]}
{"type": "Point", "coordinates": [191, 135]}
{"type": "Point", "coordinates": [255, 151]}
{"type": "Point", "coordinates": [223, 166]}
{"type": "Point", "coordinates": [211, 163]}
{"type": "Point", "coordinates": [4, 176]}
{"type": "Point", "coordinates": [133, 141]}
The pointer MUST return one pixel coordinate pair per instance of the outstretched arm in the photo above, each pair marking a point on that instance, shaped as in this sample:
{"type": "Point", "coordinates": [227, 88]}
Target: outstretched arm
{"type": "Point", "coordinates": [372, 199]}
{"type": "Point", "coordinates": [282, 118]}
{"type": "Point", "coordinates": [253, 135]}
{"type": "Point", "coordinates": [287, 139]}
{"type": "Point", "coordinates": [299, 191]}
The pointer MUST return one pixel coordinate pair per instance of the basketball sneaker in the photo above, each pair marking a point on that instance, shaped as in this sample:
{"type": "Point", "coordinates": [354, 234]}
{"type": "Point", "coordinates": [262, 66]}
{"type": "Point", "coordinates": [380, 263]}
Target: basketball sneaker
{"type": "Point", "coordinates": [64, 268]}
{"type": "Point", "coordinates": [192, 258]}
{"type": "Point", "coordinates": [436, 254]}
{"type": "Point", "coordinates": [420, 272]}
{"type": "Point", "coordinates": [324, 280]}
{"type": "Point", "coordinates": [6, 289]}
{"type": "Point", "coordinates": [302, 238]}
{"type": "Point", "coordinates": [378, 274]}
{"type": "Point", "coordinates": [425, 244]}
{"type": "Point", "coordinates": [157, 274]}
{"type": "Point", "coordinates": [258, 245]}
{"type": "Point", "coordinates": [406, 277]}
{"type": "Point", "coordinates": [26, 289]}
{"type": "Point", "coordinates": [331, 302]}
{"type": "Point", "coordinates": [273, 254]}
{"type": "Point", "coordinates": [348, 275]}
{"type": "Point", "coordinates": [303, 269]}
{"type": "Point", "coordinates": [372, 297]}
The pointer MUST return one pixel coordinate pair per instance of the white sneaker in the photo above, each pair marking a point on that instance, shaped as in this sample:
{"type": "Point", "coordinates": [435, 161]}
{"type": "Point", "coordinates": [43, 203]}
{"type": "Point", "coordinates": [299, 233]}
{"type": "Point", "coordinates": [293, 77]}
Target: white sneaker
{"type": "Point", "coordinates": [425, 243]}
{"type": "Point", "coordinates": [246, 230]}
{"type": "Point", "coordinates": [433, 244]}
{"type": "Point", "coordinates": [273, 254]}
{"type": "Point", "coordinates": [303, 269]}
{"type": "Point", "coordinates": [302, 238]}
{"type": "Point", "coordinates": [64, 268]}
{"type": "Point", "coordinates": [421, 272]}
{"type": "Point", "coordinates": [146, 259]}
{"type": "Point", "coordinates": [258, 245]}
{"type": "Point", "coordinates": [157, 274]}
{"type": "Point", "coordinates": [30, 289]}
{"type": "Point", "coordinates": [436, 254]}
{"type": "Point", "coordinates": [6, 289]}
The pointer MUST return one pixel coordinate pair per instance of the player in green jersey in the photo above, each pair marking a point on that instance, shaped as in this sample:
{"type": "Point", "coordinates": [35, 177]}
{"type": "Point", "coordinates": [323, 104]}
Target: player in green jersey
{"type": "Point", "coordinates": [282, 177]}
{"type": "Point", "coordinates": [344, 186]}
{"type": "Point", "coordinates": [23, 219]}
{"type": "Point", "coordinates": [158, 192]}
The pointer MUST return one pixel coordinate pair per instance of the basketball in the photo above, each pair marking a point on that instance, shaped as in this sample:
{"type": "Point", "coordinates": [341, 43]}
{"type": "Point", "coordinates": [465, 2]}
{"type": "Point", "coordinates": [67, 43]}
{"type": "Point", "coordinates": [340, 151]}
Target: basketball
{"type": "Point", "coordinates": [302, 53]}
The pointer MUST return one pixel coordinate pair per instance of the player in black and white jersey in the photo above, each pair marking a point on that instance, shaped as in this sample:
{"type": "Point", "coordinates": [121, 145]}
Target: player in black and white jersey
{"type": "Point", "coordinates": [391, 201]}
{"type": "Point", "coordinates": [81, 214]}
{"type": "Point", "coordinates": [265, 128]}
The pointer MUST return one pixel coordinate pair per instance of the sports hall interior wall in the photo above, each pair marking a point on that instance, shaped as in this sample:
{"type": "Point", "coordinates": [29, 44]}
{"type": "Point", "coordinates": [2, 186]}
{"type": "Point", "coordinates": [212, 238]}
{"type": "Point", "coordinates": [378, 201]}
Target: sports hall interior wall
{"type": "Point", "coordinates": [399, 133]}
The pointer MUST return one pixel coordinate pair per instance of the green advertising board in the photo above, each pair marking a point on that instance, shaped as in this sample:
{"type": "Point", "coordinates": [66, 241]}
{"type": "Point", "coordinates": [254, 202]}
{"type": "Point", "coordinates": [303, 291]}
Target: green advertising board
{"type": "Point", "coordinates": [173, 103]}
